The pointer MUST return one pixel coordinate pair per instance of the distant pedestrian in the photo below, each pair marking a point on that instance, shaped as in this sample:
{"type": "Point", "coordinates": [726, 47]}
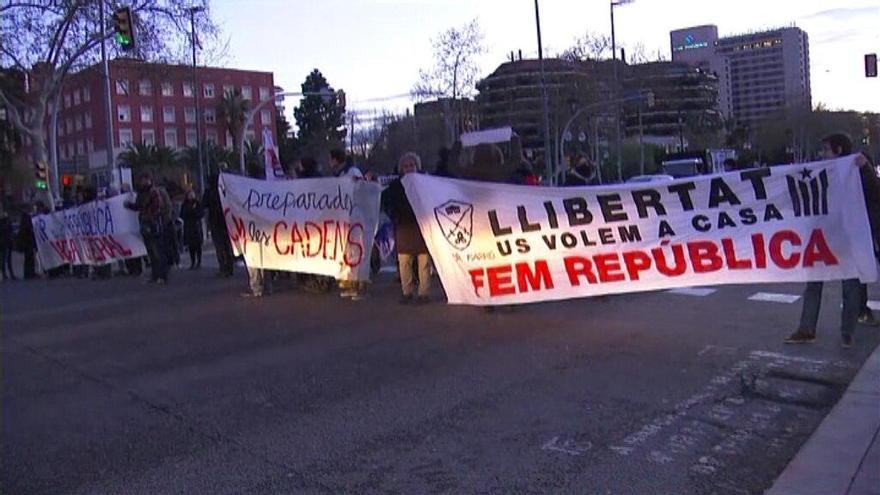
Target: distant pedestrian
{"type": "Point", "coordinates": [345, 167]}
{"type": "Point", "coordinates": [411, 248]}
{"type": "Point", "coordinates": [191, 212]}
{"type": "Point", "coordinates": [833, 146]}
{"type": "Point", "coordinates": [148, 204]}
{"type": "Point", "coordinates": [259, 279]}
{"type": "Point", "coordinates": [7, 243]}
{"type": "Point", "coordinates": [581, 173]}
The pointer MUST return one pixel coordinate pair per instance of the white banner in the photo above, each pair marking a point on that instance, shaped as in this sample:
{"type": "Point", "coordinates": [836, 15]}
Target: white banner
{"type": "Point", "coordinates": [322, 226]}
{"type": "Point", "coordinates": [271, 162]}
{"type": "Point", "coordinates": [504, 244]}
{"type": "Point", "coordinates": [95, 233]}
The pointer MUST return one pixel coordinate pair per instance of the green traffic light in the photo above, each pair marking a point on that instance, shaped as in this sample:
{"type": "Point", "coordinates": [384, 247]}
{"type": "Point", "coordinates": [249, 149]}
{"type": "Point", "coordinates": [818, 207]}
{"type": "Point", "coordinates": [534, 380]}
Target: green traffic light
{"type": "Point", "coordinates": [123, 39]}
{"type": "Point", "coordinates": [41, 184]}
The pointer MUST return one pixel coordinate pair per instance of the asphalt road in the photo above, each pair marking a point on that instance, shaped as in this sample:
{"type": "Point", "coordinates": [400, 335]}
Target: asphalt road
{"type": "Point", "coordinates": [118, 387]}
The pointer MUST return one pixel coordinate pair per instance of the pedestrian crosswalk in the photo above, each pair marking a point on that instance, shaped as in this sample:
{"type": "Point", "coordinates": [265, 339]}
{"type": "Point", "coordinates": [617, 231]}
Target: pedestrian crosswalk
{"type": "Point", "coordinates": [772, 297]}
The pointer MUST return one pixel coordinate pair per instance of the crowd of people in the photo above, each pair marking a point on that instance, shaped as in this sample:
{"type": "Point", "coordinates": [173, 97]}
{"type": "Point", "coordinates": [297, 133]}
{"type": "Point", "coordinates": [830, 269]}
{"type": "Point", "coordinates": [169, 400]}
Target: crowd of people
{"type": "Point", "coordinates": [167, 230]}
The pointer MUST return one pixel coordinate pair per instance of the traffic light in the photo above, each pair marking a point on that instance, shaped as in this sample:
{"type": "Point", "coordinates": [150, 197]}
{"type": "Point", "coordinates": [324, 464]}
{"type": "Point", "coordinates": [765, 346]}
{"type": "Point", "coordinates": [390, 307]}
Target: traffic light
{"type": "Point", "coordinates": [340, 99]}
{"type": "Point", "coordinates": [122, 21]}
{"type": "Point", "coordinates": [41, 175]}
{"type": "Point", "coordinates": [871, 65]}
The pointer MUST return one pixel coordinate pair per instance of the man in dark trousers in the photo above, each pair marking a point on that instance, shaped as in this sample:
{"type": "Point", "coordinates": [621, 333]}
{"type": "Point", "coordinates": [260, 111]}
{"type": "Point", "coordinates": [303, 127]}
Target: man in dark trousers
{"type": "Point", "coordinates": [148, 204]}
{"type": "Point", "coordinates": [833, 146]}
{"type": "Point", "coordinates": [217, 226]}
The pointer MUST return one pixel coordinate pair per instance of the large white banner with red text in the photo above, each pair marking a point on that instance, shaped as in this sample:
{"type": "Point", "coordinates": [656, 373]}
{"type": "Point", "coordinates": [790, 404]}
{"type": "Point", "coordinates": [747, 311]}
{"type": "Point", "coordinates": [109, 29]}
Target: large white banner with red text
{"type": "Point", "coordinates": [323, 226]}
{"type": "Point", "coordinates": [95, 233]}
{"type": "Point", "coordinates": [506, 244]}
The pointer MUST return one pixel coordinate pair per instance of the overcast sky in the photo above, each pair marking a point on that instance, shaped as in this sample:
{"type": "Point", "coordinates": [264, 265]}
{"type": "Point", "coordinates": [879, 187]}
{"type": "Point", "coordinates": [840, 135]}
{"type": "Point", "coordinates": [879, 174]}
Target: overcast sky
{"type": "Point", "coordinates": [374, 48]}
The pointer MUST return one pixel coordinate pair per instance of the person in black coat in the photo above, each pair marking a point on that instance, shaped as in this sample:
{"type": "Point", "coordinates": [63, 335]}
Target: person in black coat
{"type": "Point", "coordinates": [27, 243]}
{"type": "Point", "coordinates": [408, 238]}
{"type": "Point", "coordinates": [191, 212]}
{"type": "Point", "coordinates": [217, 224]}
{"type": "Point", "coordinates": [7, 242]}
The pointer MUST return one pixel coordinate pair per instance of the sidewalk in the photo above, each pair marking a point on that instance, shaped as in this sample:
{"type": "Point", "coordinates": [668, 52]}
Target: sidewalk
{"type": "Point", "coordinates": [842, 457]}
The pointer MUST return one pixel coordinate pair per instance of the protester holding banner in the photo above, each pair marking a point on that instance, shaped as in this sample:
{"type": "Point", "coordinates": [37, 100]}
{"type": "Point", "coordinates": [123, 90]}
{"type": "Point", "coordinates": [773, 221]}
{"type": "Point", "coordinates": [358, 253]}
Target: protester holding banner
{"type": "Point", "coordinates": [343, 166]}
{"type": "Point", "coordinates": [834, 146]}
{"type": "Point", "coordinates": [217, 226]}
{"type": "Point", "coordinates": [7, 242]}
{"type": "Point", "coordinates": [191, 212]}
{"type": "Point", "coordinates": [411, 248]}
{"type": "Point", "coordinates": [27, 243]}
{"type": "Point", "coordinates": [149, 205]}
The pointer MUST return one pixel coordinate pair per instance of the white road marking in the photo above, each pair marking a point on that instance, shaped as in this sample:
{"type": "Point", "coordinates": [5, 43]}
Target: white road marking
{"type": "Point", "coordinates": [771, 297]}
{"type": "Point", "coordinates": [693, 291]}
{"type": "Point", "coordinates": [716, 349]}
{"type": "Point", "coordinates": [566, 446]}
{"type": "Point", "coordinates": [784, 357]}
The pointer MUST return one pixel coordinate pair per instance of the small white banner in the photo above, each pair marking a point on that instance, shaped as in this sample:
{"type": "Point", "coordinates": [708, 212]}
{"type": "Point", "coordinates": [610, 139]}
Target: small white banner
{"type": "Point", "coordinates": [323, 226]}
{"type": "Point", "coordinates": [505, 244]}
{"type": "Point", "coordinates": [95, 233]}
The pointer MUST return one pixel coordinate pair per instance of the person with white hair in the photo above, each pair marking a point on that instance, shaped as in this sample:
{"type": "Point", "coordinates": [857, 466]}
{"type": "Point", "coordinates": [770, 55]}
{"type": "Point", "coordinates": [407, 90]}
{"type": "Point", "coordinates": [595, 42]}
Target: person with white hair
{"type": "Point", "coordinates": [411, 247]}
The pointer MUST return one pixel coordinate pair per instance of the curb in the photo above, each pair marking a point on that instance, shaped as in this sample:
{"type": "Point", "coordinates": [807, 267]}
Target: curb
{"type": "Point", "coordinates": [843, 455]}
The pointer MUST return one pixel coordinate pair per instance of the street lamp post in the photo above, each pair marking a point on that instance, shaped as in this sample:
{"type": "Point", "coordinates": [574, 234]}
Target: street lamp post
{"type": "Point", "coordinates": [547, 153]}
{"type": "Point", "coordinates": [192, 22]}
{"type": "Point", "coordinates": [616, 3]}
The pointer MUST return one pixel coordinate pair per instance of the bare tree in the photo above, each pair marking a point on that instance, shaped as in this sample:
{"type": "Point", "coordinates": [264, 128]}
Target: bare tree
{"type": "Point", "coordinates": [45, 40]}
{"type": "Point", "coordinates": [590, 46]}
{"type": "Point", "coordinates": [455, 69]}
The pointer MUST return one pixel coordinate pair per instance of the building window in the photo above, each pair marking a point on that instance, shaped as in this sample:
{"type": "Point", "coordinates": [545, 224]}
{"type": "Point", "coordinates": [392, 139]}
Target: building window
{"type": "Point", "coordinates": [124, 113]}
{"type": "Point", "coordinates": [125, 138]}
{"type": "Point", "coordinates": [67, 101]}
{"type": "Point", "coordinates": [88, 119]}
{"type": "Point", "coordinates": [168, 114]}
{"type": "Point", "coordinates": [77, 123]}
{"type": "Point", "coordinates": [80, 147]}
{"type": "Point", "coordinates": [69, 124]}
{"type": "Point", "coordinates": [87, 95]}
{"type": "Point", "coordinates": [189, 115]}
{"type": "Point", "coordinates": [76, 97]}
{"type": "Point", "coordinates": [210, 116]}
{"type": "Point", "coordinates": [264, 93]}
{"type": "Point", "coordinates": [148, 137]}
{"type": "Point", "coordinates": [229, 140]}
{"type": "Point", "coordinates": [209, 90]}
{"type": "Point", "coordinates": [249, 136]}
{"type": "Point", "coordinates": [171, 138]}
{"type": "Point", "coordinates": [191, 137]}
{"type": "Point", "coordinates": [145, 88]}
{"type": "Point", "coordinates": [167, 89]}
{"type": "Point", "coordinates": [146, 113]}
{"type": "Point", "coordinates": [265, 116]}
{"type": "Point", "coordinates": [122, 86]}
{"type": "Point", "coordinates": [246, 93]}
{"type": "Point", "coordinates": [90, 145]}
{"type": "Point", "coordinates": [188, 90]}
{"type": "Point", "coordinates": [228, 90]}
{"type": "Point", "coordinates": [211, 137]}
{"type": "Point", "coordinates": [69, 149]}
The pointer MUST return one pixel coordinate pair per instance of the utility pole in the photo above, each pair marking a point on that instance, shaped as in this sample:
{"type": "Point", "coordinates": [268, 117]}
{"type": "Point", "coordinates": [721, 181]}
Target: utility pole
{"type": "Point", "coordinates": [115, 174]}
{"type": "Point", "coordinates": [192, 23]}
{"type": "Point", "coordinates": [548, 156]}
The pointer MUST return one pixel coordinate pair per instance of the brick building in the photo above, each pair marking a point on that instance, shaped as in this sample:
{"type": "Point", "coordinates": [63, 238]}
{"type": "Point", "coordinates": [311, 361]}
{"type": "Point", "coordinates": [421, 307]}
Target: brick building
{"type": "Point", "coordinates": [151, 104]}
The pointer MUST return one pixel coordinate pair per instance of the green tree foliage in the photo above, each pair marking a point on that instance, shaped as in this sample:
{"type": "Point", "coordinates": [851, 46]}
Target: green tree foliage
{"type": "Point", "coordinates": [287, 144]}
{"type": "Point", "coordinates": [319, 118]}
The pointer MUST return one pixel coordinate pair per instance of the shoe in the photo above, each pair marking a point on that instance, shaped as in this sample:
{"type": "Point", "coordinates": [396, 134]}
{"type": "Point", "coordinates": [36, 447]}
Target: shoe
{"type": "Point", "coordinates": [422, 300]}
{"type": "Point", "coordinates": [801, 336]}
{"type": "Point", "coordinates": [250, 294]}
{"type": "Point", "coordinates": [405, 300]}
{"type": "Point", "coordinates": [846, 341]}
{"type": "Point", "coordinates": [867, 318]}
{"type": "Point", "coordinates": [347, 294]}
{"type": "Point", "coordinates": [357, 296]}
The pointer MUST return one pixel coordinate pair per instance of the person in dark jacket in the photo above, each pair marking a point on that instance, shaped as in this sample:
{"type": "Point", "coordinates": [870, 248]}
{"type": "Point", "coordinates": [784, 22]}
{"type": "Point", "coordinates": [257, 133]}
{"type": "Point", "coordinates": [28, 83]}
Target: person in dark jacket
{"type": "Point", "coordinates": [871, 188]}
{"type": "Point", "coordinates": [583, 173]}
{"type": "Point", "coordinates": [411, 248]}
{"type": "Point", "coordinates": [191, 212]}
{"type": "Point", "coordinates": [27, 243]}
{"type": "Point", "coordinates": [7, 242]}
{"type": "Point", "coordinates": [149, 206]}
{"type": "Point", "coordinates": [834, 146]}
{"type": "Point", "coordinates": [442, 168]}
{"type": "Point", "coordinates": [217, 226]}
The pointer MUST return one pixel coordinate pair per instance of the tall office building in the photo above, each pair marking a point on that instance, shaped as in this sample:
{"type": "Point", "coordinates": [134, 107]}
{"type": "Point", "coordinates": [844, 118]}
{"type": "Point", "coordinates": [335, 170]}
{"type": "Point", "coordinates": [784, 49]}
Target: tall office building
{"type": "Point", "coordinates": [759, 73]}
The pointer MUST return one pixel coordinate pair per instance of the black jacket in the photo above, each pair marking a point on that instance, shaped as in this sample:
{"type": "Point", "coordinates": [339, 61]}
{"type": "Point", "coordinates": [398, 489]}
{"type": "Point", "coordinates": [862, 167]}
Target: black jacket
{"type": "Point", "coordinates": [407, 235]}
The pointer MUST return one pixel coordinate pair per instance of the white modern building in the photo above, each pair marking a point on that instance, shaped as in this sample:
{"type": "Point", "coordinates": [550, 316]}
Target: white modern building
{"type": "Point", "coordinates": [759, 73]}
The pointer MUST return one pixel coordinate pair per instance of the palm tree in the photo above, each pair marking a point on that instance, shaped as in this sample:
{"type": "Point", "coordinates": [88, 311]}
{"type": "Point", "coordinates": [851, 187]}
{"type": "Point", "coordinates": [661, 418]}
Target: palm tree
{"type": "Point", "coordinates": [231, 114]}
{"type": "Point", "coordinates": [253, 158]}
{"type": "Point", "coordinates": [160, 161]}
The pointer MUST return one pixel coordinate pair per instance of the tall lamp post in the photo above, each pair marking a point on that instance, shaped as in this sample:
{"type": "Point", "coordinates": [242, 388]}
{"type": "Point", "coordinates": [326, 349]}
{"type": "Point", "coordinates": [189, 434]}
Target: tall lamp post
{"type": "Point", "coordinates": [548, 157]}
{"type": "Point", "coordinates": [616, 3]}
{"type": "Point", "coordinates": [192, 22]}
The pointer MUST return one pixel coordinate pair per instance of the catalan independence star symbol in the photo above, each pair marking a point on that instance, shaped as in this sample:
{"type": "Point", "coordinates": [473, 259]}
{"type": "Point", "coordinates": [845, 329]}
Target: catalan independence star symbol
{"type": "Point", "coordinates": [806, 174]}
